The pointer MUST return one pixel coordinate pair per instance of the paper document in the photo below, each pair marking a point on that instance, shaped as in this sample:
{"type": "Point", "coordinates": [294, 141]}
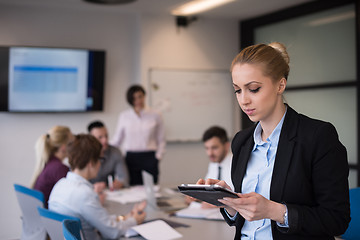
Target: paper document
{"type": "Point", "coordinates": [195, 211]}
{"type": "Point", "coordinates": [155, 230]}
{"type": "Point", "coordinates": [129, 195]}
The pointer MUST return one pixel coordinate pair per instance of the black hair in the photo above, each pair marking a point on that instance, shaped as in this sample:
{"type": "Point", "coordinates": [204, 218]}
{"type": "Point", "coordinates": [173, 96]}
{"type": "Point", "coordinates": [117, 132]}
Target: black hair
{"type": "Point", "coordinates": [131, 91]}
{"type": "Point", "coordinates": [215, 131]}
{"type": "Point", "coordinates": [95, 124]}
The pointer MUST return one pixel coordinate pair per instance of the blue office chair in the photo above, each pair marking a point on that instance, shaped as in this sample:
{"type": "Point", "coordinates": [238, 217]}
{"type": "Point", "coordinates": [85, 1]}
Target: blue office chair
{"type": "Point", "coordinates": [71, 229]}
{"type": "Point", "coordinates": [29, 200]}
{"type": "Point", "coordinates": [53, 223]}
{"type": "Point", "coordinates": [353, 231]}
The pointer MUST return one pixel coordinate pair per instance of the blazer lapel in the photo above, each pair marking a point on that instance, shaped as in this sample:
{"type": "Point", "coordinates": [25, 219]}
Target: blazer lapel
{"type": "Point", "coordinates": [283, 155]}
{"type": "Point", "coordinates": [243, 159]}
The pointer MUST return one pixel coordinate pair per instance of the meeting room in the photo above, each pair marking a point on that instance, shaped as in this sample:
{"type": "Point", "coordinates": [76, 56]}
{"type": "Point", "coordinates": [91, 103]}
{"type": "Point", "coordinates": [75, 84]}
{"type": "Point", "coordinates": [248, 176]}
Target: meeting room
{"type": "Point", "coordinates": [141, 119]}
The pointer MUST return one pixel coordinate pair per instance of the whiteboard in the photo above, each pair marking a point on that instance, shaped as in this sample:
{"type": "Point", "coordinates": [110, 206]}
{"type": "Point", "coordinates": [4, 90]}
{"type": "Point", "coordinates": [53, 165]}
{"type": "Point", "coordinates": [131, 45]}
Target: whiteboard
{"type": "Point", "coordinates": [191, 101]}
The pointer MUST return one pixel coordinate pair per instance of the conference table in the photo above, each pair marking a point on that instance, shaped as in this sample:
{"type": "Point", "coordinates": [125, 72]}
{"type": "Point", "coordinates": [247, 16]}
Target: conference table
{"type": "Point", "coordinates": [192, 229]}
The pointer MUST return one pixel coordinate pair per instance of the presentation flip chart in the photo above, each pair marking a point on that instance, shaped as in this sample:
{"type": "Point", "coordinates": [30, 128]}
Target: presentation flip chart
{"type": "Point", "coordinates": [192, 101]}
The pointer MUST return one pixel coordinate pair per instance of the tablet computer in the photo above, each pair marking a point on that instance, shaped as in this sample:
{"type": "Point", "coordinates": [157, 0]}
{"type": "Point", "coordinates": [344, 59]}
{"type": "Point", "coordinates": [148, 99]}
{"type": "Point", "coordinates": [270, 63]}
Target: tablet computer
{"type": "Point", "coordinates": [207, 193]}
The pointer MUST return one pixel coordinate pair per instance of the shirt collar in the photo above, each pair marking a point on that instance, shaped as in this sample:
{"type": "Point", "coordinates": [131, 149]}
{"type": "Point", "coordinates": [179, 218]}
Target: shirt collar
{"type": "Point", "coordinates": [75, 177]}
{"type": "Point", "coordinates": [54, 158]}
{"type": "Point", "coordinates": [274, 136]}
{"type": "Point", "coordinates": [145, 109]}
{"type": "Point", "coordinates": [224, 161]}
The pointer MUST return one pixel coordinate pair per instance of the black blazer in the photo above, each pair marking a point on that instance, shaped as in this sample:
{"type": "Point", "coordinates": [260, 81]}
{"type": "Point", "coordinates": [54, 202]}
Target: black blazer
{"type": "Point", "coordinates": [310, 176]}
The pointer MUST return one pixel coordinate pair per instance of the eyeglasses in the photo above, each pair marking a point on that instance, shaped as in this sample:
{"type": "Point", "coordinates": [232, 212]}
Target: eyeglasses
{"type": "Point", "coordinates": [102, 160]}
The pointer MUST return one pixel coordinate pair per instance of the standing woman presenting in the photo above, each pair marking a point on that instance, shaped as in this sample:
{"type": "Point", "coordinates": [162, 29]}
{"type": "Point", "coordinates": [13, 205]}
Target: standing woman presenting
{"type": "Point", "coordinates": [141, 133]}
{"type": "Point", "coordinates": [50, 151]}
{"type": "Point", "coordinates": [290, 171]}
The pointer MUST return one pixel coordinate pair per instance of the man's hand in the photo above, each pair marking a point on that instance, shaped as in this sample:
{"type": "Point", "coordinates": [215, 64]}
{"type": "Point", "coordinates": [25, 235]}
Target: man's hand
{"type": "Point", "coordinates": [138, 212]}
{"type": "Point", "coordinates": [117, 184]}
{"type": "Point", "coordinates": [99, 187]}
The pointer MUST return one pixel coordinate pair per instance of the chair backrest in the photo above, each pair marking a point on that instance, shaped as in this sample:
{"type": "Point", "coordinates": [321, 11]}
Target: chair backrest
{"type": "Point", "coordinates": [29, 200]}
{"type": "Point", "coordinates": [353, 231]}
{"type": "Point", "coordinates": [71, 229]}
{"type": "Point", "coordinates": [52, 222]}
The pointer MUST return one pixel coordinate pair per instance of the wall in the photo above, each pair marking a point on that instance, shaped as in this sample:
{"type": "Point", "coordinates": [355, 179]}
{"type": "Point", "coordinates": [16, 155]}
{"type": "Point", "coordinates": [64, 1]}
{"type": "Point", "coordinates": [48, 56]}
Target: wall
{"type": "Point", "coordinates": [134, 43]}
{"type": "Point", "coordinates": [204, 44]}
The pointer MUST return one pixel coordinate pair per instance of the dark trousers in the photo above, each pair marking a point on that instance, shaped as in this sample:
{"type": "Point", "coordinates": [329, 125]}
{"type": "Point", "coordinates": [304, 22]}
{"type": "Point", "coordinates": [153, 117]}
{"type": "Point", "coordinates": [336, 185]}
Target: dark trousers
{"type": "Point", "coordinates": [138, 161]}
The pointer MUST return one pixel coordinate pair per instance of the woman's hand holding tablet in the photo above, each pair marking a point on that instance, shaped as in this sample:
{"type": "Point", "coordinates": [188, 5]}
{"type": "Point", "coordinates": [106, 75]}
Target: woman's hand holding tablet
{"type": "Point", "coordinates": [208, 191]}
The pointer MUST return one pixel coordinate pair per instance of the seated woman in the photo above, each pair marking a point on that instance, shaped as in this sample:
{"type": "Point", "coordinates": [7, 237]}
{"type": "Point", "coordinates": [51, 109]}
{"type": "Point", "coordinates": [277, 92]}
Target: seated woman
{"type": "Point", "coordinates": [50, 152]}
{"type": "Point", "coordinates": [75, 196]}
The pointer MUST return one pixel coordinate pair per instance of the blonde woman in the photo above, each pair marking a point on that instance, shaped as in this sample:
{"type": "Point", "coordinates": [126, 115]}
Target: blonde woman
{"type": "Point", "coordinates": [290, 171]}
{"type": "Point", "coordinates": [50, 151]}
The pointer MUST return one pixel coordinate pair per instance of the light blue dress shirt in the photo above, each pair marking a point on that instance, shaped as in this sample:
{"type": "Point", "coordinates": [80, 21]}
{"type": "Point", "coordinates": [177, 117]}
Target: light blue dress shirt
{"type": "Point", "coordinates": [258, 179]}
{"type": "Point", "coordinates": [74, 196]}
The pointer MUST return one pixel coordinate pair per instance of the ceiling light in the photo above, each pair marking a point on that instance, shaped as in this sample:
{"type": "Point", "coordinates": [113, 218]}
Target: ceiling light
{"type": "Point", "coordinates": [110, 1]}
{"type": "Point", "coordinates": [333, 18]}
{"type": "Point", "coordinates": [198, 6]}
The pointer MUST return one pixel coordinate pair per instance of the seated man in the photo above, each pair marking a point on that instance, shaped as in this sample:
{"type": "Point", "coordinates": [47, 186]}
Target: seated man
{"type": "Point", "coordinates": [217, 148]}
{"type": "Point", "coordinates": [113, 164]}
{"type": "Point", "coordinates": [75, 196]}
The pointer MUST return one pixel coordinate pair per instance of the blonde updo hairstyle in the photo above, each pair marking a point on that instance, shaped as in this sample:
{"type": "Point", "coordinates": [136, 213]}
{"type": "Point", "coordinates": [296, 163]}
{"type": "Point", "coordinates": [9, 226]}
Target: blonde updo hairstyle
{"type": "Point", "coordinates": [47, 145]}
{"type": "Point", "coordinates": [272, 58]}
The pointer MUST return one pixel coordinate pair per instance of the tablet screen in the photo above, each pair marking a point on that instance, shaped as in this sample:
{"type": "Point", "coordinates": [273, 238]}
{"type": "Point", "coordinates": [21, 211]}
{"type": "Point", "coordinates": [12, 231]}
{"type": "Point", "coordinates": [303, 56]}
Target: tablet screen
{"type": "Point", "coordinates": [207, 193]}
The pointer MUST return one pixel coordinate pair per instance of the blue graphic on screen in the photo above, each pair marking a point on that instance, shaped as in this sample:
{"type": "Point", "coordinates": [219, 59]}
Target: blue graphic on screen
{"type": "Point", "coordinates": [45, 79]}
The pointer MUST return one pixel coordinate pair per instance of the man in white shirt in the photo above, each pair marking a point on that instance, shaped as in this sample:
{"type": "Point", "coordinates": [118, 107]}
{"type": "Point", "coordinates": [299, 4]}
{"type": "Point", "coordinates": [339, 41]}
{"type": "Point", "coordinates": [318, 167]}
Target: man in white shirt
{"type": "Point", "coordinates": [217, 148]}
{"type": "Point", "coordinates": [74, 195]}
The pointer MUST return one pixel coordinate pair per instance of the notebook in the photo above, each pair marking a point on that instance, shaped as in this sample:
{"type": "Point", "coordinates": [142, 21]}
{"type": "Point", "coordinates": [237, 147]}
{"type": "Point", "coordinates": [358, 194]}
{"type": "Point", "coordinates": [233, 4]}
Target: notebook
{"type": "Point", "coordinates": [161, 203]}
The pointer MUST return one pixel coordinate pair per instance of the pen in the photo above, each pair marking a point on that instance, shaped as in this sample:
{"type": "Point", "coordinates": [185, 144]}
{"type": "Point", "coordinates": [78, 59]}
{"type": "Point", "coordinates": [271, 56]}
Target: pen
{"type": "Point", "coordinates": [110, 182]}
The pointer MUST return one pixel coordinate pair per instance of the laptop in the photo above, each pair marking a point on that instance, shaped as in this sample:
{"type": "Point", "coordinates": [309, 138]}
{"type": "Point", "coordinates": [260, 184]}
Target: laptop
{"type": "Point", "coordinates": [161, 203]}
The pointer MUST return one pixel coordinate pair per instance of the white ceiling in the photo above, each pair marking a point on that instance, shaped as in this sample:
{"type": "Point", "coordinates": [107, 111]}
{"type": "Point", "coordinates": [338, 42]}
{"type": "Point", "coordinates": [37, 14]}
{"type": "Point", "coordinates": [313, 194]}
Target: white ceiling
{"type": "Point", "coordinates": [240, 9]}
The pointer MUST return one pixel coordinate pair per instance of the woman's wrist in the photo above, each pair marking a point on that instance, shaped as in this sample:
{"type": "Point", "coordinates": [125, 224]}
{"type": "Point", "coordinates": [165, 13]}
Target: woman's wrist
{"type": "Point", "coordinates": [230, 211]}
{"type": "Point", "coordinates": [277, 212]}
